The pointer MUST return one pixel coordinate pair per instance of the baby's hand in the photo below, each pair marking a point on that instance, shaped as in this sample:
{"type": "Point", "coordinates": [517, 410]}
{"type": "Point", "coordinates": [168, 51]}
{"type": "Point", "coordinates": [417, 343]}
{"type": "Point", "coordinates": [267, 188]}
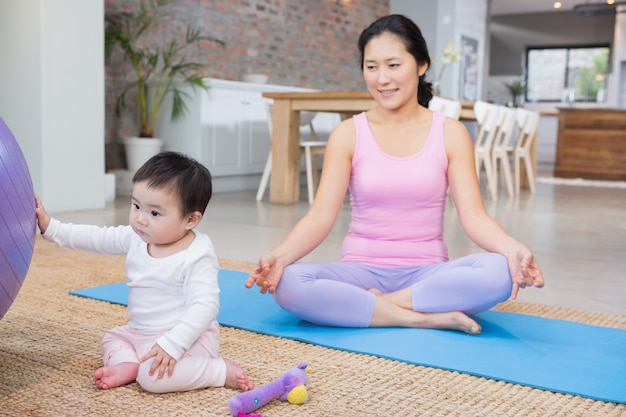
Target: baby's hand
{"type": "Point", "coordinates": [43, 219]}
{"type": "Point", "coordinates": [162, 361]}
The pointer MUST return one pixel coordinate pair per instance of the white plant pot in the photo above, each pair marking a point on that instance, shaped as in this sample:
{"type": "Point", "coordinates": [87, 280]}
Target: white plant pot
{"type": "Point", "coordinates": [139, 150]}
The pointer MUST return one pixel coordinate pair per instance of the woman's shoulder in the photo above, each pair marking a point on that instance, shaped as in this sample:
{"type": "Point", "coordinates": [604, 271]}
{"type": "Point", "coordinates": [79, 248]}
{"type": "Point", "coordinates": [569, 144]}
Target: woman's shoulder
{"type": "Point", "coordinates": [456, 136]}
{"type": "Point", "coordinates": [345, 129]}
{"type": "Point", "coordinates": [453, 127]}
{"type": "Point", "coordinates": [348, 122]}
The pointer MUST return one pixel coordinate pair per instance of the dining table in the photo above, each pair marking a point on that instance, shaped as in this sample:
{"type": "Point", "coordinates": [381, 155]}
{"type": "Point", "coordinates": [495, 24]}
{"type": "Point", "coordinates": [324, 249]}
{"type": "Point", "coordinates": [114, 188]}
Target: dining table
{"type": "Point", "coordinates": [285, 177]}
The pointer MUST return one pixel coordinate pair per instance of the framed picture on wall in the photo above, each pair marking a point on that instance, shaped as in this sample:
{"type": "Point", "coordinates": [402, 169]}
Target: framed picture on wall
{"type": "Point", "coordinates": [469, 69]}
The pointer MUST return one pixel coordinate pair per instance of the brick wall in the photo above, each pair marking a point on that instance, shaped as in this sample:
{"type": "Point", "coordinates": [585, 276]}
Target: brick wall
{"type": "Point", "coordinates": [305, 43]}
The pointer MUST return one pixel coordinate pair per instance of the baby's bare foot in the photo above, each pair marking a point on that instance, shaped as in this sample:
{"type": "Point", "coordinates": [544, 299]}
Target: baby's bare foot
{"type": "Point", "coordinates": [236, 378]}
{"type": "Point", "coordinates": [116, 375]}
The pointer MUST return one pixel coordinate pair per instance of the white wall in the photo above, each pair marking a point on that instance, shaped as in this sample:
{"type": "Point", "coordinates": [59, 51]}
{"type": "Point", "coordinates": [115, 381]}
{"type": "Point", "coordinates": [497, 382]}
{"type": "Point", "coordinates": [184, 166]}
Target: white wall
{"type": "Point", "coordinates": [443, 20]}
{"type": "Point", "coordinates": [52, 96]}
{"type": "Point", "coordinates": [423, 13]}
{"type": "Point", "coordinates": [472, 21]}
{"type": "Point", "coordinates": [20, 82]}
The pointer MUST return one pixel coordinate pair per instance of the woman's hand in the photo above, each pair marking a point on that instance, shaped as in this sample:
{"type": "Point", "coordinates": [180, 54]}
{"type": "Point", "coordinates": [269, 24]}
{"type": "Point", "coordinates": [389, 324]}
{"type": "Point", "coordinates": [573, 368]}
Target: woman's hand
{"type": "Point", "coordinates": [162, 361]}
{"type": "Point", "coordinates": [266, 274]}
{"type": "Point", "coordinates": [525, 271]}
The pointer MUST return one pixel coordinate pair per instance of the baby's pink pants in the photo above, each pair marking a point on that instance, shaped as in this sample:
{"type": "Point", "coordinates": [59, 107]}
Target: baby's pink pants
{"type": "Point", "coordinates": [199, 367]}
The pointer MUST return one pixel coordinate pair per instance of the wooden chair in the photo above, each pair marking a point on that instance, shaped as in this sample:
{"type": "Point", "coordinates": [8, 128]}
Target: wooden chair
{"type": "Point", "coordinates": [487, 116]}
{"type": "Point", "coordinates": [500, 151]}
{"type": "Point", "coordinates": [310, 148]}
{"type": "Point", "coordinates": [520, 151]}
{"type": "Point", "coordinates": [451, 108]}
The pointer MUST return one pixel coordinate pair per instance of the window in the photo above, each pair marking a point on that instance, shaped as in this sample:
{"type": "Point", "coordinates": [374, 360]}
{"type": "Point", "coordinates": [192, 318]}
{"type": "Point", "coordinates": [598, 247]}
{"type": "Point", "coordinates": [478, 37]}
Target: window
{"type": "Point", "coordinates": [567, 74]}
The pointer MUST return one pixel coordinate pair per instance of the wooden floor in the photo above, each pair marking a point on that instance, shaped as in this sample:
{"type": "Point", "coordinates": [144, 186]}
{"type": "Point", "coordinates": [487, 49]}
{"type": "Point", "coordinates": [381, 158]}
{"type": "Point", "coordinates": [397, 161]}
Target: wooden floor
{"type": "Point", "coordinates": [578, 235]}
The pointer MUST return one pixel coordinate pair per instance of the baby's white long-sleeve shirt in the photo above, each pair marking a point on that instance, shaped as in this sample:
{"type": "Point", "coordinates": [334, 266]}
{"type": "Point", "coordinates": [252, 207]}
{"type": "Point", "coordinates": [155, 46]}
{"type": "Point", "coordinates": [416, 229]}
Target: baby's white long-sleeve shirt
{"type": "Point", "coordinates": [178, 294]}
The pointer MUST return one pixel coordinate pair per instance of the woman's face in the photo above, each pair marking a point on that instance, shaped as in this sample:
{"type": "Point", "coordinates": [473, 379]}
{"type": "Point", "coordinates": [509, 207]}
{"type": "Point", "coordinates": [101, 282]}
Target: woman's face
{"type": "Point", "coordinates": [390, 71]}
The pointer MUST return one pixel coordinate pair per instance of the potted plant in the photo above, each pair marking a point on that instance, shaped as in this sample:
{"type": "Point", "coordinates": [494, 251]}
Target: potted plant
{"type": "Point", "coordinates": [516, 89]}
{"type": "Point", "coordinates": [159, 68]}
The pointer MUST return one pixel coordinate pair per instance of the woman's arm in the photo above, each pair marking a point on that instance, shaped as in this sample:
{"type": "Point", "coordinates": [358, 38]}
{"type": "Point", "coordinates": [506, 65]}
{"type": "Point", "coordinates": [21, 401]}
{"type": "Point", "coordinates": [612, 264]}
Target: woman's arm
{"type": "Point", "coordinates": [315, 226]}
{"type": "Point", "coordinates": [480, 227]}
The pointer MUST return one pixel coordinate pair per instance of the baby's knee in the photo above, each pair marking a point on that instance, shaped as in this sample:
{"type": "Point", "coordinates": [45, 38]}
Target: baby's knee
{"type": "Point", "coordinates": [151, 383]}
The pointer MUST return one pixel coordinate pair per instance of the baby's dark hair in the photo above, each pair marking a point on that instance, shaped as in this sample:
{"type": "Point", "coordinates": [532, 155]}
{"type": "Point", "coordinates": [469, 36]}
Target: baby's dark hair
{"type": "Point", "coordinates": [414, 42]}
{"type": "Point", "coordinates": [180, 174]}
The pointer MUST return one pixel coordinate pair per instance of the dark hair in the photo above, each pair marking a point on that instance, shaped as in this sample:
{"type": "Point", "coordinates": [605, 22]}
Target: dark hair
{"type": "Point", "coordinates": [415, 44]}
{"type": "Point", "coordinates": [181, 174]}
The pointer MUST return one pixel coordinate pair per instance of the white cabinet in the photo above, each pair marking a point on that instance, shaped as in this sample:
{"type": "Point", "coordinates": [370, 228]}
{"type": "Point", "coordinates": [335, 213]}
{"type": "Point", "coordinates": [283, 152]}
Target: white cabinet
{"type": "Point", "coordinates": [226, 129]}
{"type": "Point", "coordinates": [235, 136]}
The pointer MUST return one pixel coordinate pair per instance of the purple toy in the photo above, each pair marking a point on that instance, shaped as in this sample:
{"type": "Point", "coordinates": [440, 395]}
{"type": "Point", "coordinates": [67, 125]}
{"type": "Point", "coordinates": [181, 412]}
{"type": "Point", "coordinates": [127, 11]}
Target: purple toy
{"type": "Point", "coordinates": [17, 218]}
{"type": "Point", "coordinates": [290, 386]}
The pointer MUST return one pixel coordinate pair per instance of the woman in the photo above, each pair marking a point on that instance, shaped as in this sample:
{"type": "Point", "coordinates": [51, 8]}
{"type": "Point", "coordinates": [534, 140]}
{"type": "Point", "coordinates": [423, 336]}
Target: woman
{"type": "Point", "coordinates": [398, 161]}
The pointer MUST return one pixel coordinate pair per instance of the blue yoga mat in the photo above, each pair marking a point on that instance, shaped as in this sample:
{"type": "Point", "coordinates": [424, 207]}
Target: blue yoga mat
{"type": "Point", "coordinates": [554, 355]}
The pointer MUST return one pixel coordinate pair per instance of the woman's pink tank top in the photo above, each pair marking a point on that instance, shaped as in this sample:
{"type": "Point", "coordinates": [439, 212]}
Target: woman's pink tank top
{"type": "Point", "coordinates": [397, 203]}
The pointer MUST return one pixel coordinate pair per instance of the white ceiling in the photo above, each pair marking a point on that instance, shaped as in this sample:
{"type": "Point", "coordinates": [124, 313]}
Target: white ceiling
{"type": "Point", "coordinates": [533, 6]}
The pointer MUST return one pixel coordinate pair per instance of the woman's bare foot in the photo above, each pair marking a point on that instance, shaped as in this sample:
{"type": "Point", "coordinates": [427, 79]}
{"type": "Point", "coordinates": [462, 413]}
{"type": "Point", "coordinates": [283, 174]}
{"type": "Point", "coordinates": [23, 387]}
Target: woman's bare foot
{"type": "Point", "coordinates": [394, 309]}
{"type": "Point", "coordinates": [116, 375]}
{"type": "Point", "coordinates": [236, 378]}
{"type": "Point", "coordinates": [453, 320]}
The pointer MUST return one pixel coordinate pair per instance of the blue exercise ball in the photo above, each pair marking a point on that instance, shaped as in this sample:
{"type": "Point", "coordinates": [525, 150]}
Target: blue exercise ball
{"type": "Point", "coordinates": [17, 218]}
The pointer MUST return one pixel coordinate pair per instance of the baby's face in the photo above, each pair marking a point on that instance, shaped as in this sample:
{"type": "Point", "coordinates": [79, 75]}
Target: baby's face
{"type": "Point", "coordinates": [155, 215]}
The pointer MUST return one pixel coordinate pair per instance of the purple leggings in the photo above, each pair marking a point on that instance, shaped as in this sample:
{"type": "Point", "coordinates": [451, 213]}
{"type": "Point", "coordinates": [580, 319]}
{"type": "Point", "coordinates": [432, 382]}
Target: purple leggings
{"type": "Point", "coordinates": [335, 294]}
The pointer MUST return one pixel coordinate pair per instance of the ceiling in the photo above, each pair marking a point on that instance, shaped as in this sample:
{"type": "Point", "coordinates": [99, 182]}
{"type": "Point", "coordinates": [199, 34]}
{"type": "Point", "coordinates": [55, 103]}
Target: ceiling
{"type": "Point", "coordinates": [499, 7]}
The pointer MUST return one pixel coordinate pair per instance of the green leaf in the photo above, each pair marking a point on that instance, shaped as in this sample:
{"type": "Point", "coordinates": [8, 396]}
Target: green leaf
{"type": "Point", "coordinates": [162, 68]}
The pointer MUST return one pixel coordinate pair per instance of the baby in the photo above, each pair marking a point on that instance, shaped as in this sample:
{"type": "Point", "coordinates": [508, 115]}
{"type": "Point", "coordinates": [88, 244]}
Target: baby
{"type": "Point", "coordinates": [171, 342]}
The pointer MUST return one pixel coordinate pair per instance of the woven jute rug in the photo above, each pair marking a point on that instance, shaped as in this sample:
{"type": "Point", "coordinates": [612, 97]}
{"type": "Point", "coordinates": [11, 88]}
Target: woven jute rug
{"type": "Point", "coordinates": [50, 346]}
